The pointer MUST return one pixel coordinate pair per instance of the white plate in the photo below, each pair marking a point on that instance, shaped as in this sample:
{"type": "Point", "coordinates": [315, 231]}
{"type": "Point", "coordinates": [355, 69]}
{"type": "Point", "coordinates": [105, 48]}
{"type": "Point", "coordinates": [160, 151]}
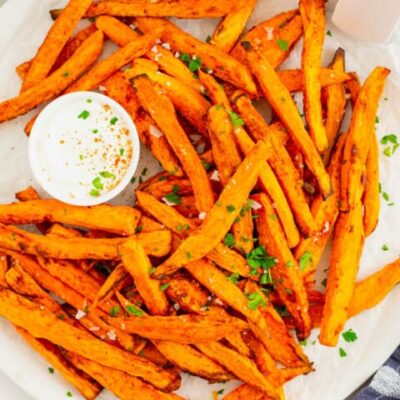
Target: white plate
{"type": "Point", "coordinates": [23, 24]}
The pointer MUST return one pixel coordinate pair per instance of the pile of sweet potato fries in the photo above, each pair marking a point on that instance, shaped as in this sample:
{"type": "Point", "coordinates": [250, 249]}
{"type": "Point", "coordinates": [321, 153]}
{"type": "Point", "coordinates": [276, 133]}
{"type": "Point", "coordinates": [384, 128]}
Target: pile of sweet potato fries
{"type": "Point", "coordinates": [215, 265]}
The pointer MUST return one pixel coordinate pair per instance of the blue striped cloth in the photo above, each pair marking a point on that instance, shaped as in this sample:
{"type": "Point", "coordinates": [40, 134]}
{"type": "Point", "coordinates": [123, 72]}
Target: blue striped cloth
{"type": "Point", "coordinates": [385, 385]}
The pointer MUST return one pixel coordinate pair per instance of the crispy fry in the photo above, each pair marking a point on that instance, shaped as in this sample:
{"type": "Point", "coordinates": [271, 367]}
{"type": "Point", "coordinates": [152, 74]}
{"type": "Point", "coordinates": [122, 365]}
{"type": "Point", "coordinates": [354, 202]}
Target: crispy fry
{"type": "Point", "coordinates": [243, 231]}
{"type": "Point", "coordinates": [214, 89]}
{"type": "Point", "coordinates": [189, 102]}
{"type": "Point", "coordinates": [286, 26]}
{"type": "Point", "coordinates": [225, 154]}
{"type": "Point", "coordinates": [3, 269]}
{"type": "Point", "coordinates": [41, 323]}
{"type": "Point", "coordinates": [147, 224]}
{"type": "Point", "coordinates": [231, 27]}
{"type": "Point", "coordinates": [159, 189]}
{"type": "Point", "coordinates": [104, 69]}
{"type": "Point", "coordinates": [280, 162]}
{"type": "Point", "coordinates": [57, 82]}
{"type": "Point", "coordinates": [342, 274]}
{"type": "Point", "coordinates": [118, 382]}
{"type": "Point", "coordinates": [372, 290]}
{"type": "Point", "coordinates": [335, 98]}
{"type": "Point", "coordinates": [27, 194]}
{"type": "Point", "coordinates": [54, 42]}
{"type": "Point", "coordinates": [353, 86]}
{"type": "Point", "coordinates": [82, 382]}
{"type": "Point", "coordinates": [163, 113]}
{"type": "Point", "coordinates": [371, 197]}
{"type": "Point", "coordinates": [121, 34]}
{"type": "Point", "coordinates": [184, 329]}
{"type": "Point", "coordinates": [117, 219]}
{"type": "Point", "coordinates": [221, 217]}
{"type": "Point", "coordinates": [221, 255]}
{"type": "Point", "coordinates": [164, 8]}
{"type": "Point", "coordinates": [239, 365]}
{"type": "Point", "coordinates": [360, 138]}
{"type": "Point", "coordinates": [139, 267]}
{"type": "Point", "coordinates": [313, 15]}
{"type": "Point", "coordinates": [150, 352]}
{"type": "Point", "coordinates": [287, 280]}
{"type": "Point", "coordinates": [223, 65]}
{"type": "Point", "coordinates": [156, 243]}
{"type": "Point", "coordinates": [119, 89]}
{"type": "Point", "coordinates": [281, 101]}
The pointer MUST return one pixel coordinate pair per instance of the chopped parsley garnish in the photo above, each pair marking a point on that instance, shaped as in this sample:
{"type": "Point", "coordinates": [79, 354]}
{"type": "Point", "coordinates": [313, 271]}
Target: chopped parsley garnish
{"type": "Point", "coordinates": [385, 196]}
{"type": "Point", "coordinates": [391, 138]}
{"type": "Point", "coordinates": [66, 73]}
{"type": "Point", "coordinates": [132, 310]}
{"type": "Point", "coordinates": [189, 255]}
{"type": "Point", "coordinates": [185, 57]}
{"type": "Point", "coordinates": [194, 64]}
{"type": "Point", "coordinates": [274, 217]}
{"type": "Point", "coordinates": [230, 208]}
{"type": "Point", "coordinates": [329, 33]}
{"type": "Point", "coordinates": [304, 259]}
{"type": "Point", "coordinates": [258, 258]}
{"type": "Point", "coordinates": [94, 193]}
{"type": "Point", "coordinates": [246, 45]}
{"type": "Point", "coordinates": [51, 370]}
{"type": "Point", "coordinates": [97, 183]}
{"type": "Point", "coordinates": [95, 131]}
{"type": "Point", "coordinates": [164, 287]}
{"type": "Point", "coordinates": [229, 240]}
{"type": "Point", "coordinates": [81, 157]}
{"type": "Point", "coordinates": [174, 197]}
{"type": "Point", "coordinates": [207, 166]}
{"type": "Point", "coordinates": [138, 229]}
{"type": "Point", "coordinates": [283, 44]}
{"type": "Point", "coordinates": [234, 278]}
{"type": "Point", "coordinates": [303, 342]}
{"type": "Point", "coordinates": [69, 394]}
{"type": "Point", "coordinates": [84, 114]}
{"type": "Point", "coordinates": [152, 270]}
{"type": "Point", "coordinates": [107, 175]}
{"type": "Point", "coordinates": [289, 263]}
{"type": "Point", "coordinates": [350, 336]}
{"type": "Point", "coordinates": [144, 171]}
{"type": "Point", "coordinates": [61, 317]}
{"type": "Point", "coordinates": [342, 353]}
{"type": "Point", "coordinates": [385, 247]}
{"type": "Point", "coordinates": [114, 311]}
{"type": "Point", "coordinates": [89, 101]}
{"type": "Point", "coordinates": [121, 151]}
{"type": "Point", "coordinates": [221, 391]}
{"type": "Point", "coordinates": [113, 120]}
{"type": "Point", "coordinates": [236, 120]}
{"type": "Point", "coordinates": [162, 178]}
{"type": "Point", "coordinates": [376, 119]}
{"type": "Point", "coordinates": [255, 300]}
{"type": "Point", "coordinates": [208, 39]}
{"type": "Point", "coordinates": [133, 179]}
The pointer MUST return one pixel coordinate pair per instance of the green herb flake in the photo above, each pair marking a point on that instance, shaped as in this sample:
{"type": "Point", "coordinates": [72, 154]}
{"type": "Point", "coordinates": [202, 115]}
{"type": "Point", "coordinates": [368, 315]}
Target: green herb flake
{"type": "Point", "coordinates": [164, 287]}
{"type": "Point", "coordinates": [81, 157]}
{"type": "Point", "coordinates": [162, 178]}
{"type": "Point", "coordinates": [132, 310]}
{"type": "Point", "coordinates": [229, 240]}
{"type": "Point", "coordinates": [289, 263]}
{"type": "Point", "coordinates": [230, 208]}
{"type": "Point", "coordinates": [65, 74]}
{"type": "Point", "coordinates": [234, 278]}
{"type": "Point", "coordinates": [303, 342]}
{"type": "Point", "coordinates": [113, 120]}
{"type": "Point", "coordinates": [220, 392]}
{"type": "Point", "coordinates": [189, 255]}
{"type": "Point", "coordinates": [255, 300]}
{"type": "Point", "coordinates": [138, 229]}
{"type": "Point", "coordinates": [144, 171]}
{"type": "Point", "coordinates": [121, 151]}
{"type": "Point", "coordinates": [133, 179]}
{"type": "Point", "coordinates": [94, 193]}
{"type": "Point", "coordinates": [283, 44]}
{"type": "Point", "coordinates": [84, 114]}
{"type": "Point", "coordinates": [186, 227]}
{"type": "Point", "coordinates": [342, 352]}
{"type": "Point", "coordinates": [208, 39]}
{"type": "Point", "coordinates": [185, 57]}
{"type": "Point", "coordinates": [97, 183]}
{"type": "Point", "coordinates": [107, 175]}
{"type": "Point", "coordinates": [61, 317]}
{"type": "Point", "coordinates": [69, 394]}
{"type": "Point", "coordinates": [207, 166]}
{"type": "Point", "coordinates": [174, 197]}
{"type": "Point", "coordinates": [350, 336]}
{"type": "Point", "coordinates": [259, 259]}
{"type": "Point", "coordinates": [89, 101]}
{"type": "Point", "coordinates": [114, 311]}
{"type": "Point", "coordinates": [274, 217]}
{"type": "Point", "coordinates": [329, 33]}
{"type": "Point", "coordinates": [236, 120]}
{"type": "Point", "coordinates": [94, 131]}
{"type": "Point", "coordinates": [194, 64]}
{"type": "Point", "coordinates": [152, 270]}
{"type": "Point", "coordinates": [376, 119]}
{"type": "Point", "coordinates": [385, 247]}
{"type": "Point", "coordinates": [51, 370]}
{"type": "Point", "coordinates": [304, 259]}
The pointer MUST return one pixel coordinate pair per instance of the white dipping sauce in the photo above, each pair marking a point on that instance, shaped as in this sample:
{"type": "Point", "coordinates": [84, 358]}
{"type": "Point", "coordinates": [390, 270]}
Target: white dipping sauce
{"type": "Point", "coordinates": [84, 148]}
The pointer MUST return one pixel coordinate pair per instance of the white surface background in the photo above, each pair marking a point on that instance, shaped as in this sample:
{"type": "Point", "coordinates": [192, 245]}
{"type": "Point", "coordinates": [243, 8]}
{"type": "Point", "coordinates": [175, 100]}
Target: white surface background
{"type": "Point", "coordinates": [23, 24]}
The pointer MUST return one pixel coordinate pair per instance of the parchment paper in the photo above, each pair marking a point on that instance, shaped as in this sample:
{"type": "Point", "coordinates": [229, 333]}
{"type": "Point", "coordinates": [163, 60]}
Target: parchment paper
{"type": "Point", "coordinates": [23, 24]}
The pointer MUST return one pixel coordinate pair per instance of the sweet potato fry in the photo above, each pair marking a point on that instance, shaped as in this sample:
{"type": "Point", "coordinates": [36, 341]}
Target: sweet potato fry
{"type": "Point", "coordinates": [3, 269]}
{"type": "Point", "coordinates": [117, 275]}
{"type": "Point", "coordinates": [57, 82]}
{"type": "Point", "coordinates": [118, 382]}
{"type": "Point", "coordinates": [225, 154]}
{"type": "Point", "coordinates": [372, 290]}
{"type": "Point", "coordinates": [224, 66]}
{"type": "Point", "coordinates": [82, 382]}
{"type": "Point", "coordinates": [353, 87]}
{"type": "Point", "coordinates": [163, 113]}
{"type": "Point", "coordinates": [359, 139]}
{"type": "Point", "coordinates": [223, 256]}
{"type": "Point", "coordinates": [335, 99]}
{"type": "Point", "coordinates": [285, 27]}
{"type": "Point", "coordinates": [314, 35]}
{"type": "Point", "coordinates": [119, 89]}
{"type": "Point", "coordinates": [189, 102]}
{"type": "Point", "coordinates": [221, 217]}
{"type": "Point", "coordinates": [121, 34]}
{"type": "Point", "coordinates": [160, 189]}
{"type": "Point", "coordinates": [214, 89]}
{"type": "Point", "coordinates": [69, 49]}
{"type": "Point", "coordinates": [156, 243]}
{"type": "Point", "coordinates": [287, 279]}
{"type": "Point", "coordinates": [293, 79]}
{"type": "Point", "coordinates": [231, 27]}
{"type": "Point", "coordinates": [281, 101]}
{"type": "Point", "coordinates": [280, 162]}
{"type": "Point", "coordinates": [371, 196]}
{"type": "Point", "coordinates": [121, 220]}
{"type": "Point", "coordinates": [41, 323]}
{"type": "Point", "coordinates": [139, 266]}
{"type": "Point", "coordinates": [184, 329]}
{"type": "Point", "coordinates": [54, 42]}
{"type": "Point", "coordinates": [164, 8]}
{"type": "Point", "coordinates": [242, 367]}
{"type": "Point", "coordinates": [342, 274]}
{"type": "Point", "coordinates": [121, 57]}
